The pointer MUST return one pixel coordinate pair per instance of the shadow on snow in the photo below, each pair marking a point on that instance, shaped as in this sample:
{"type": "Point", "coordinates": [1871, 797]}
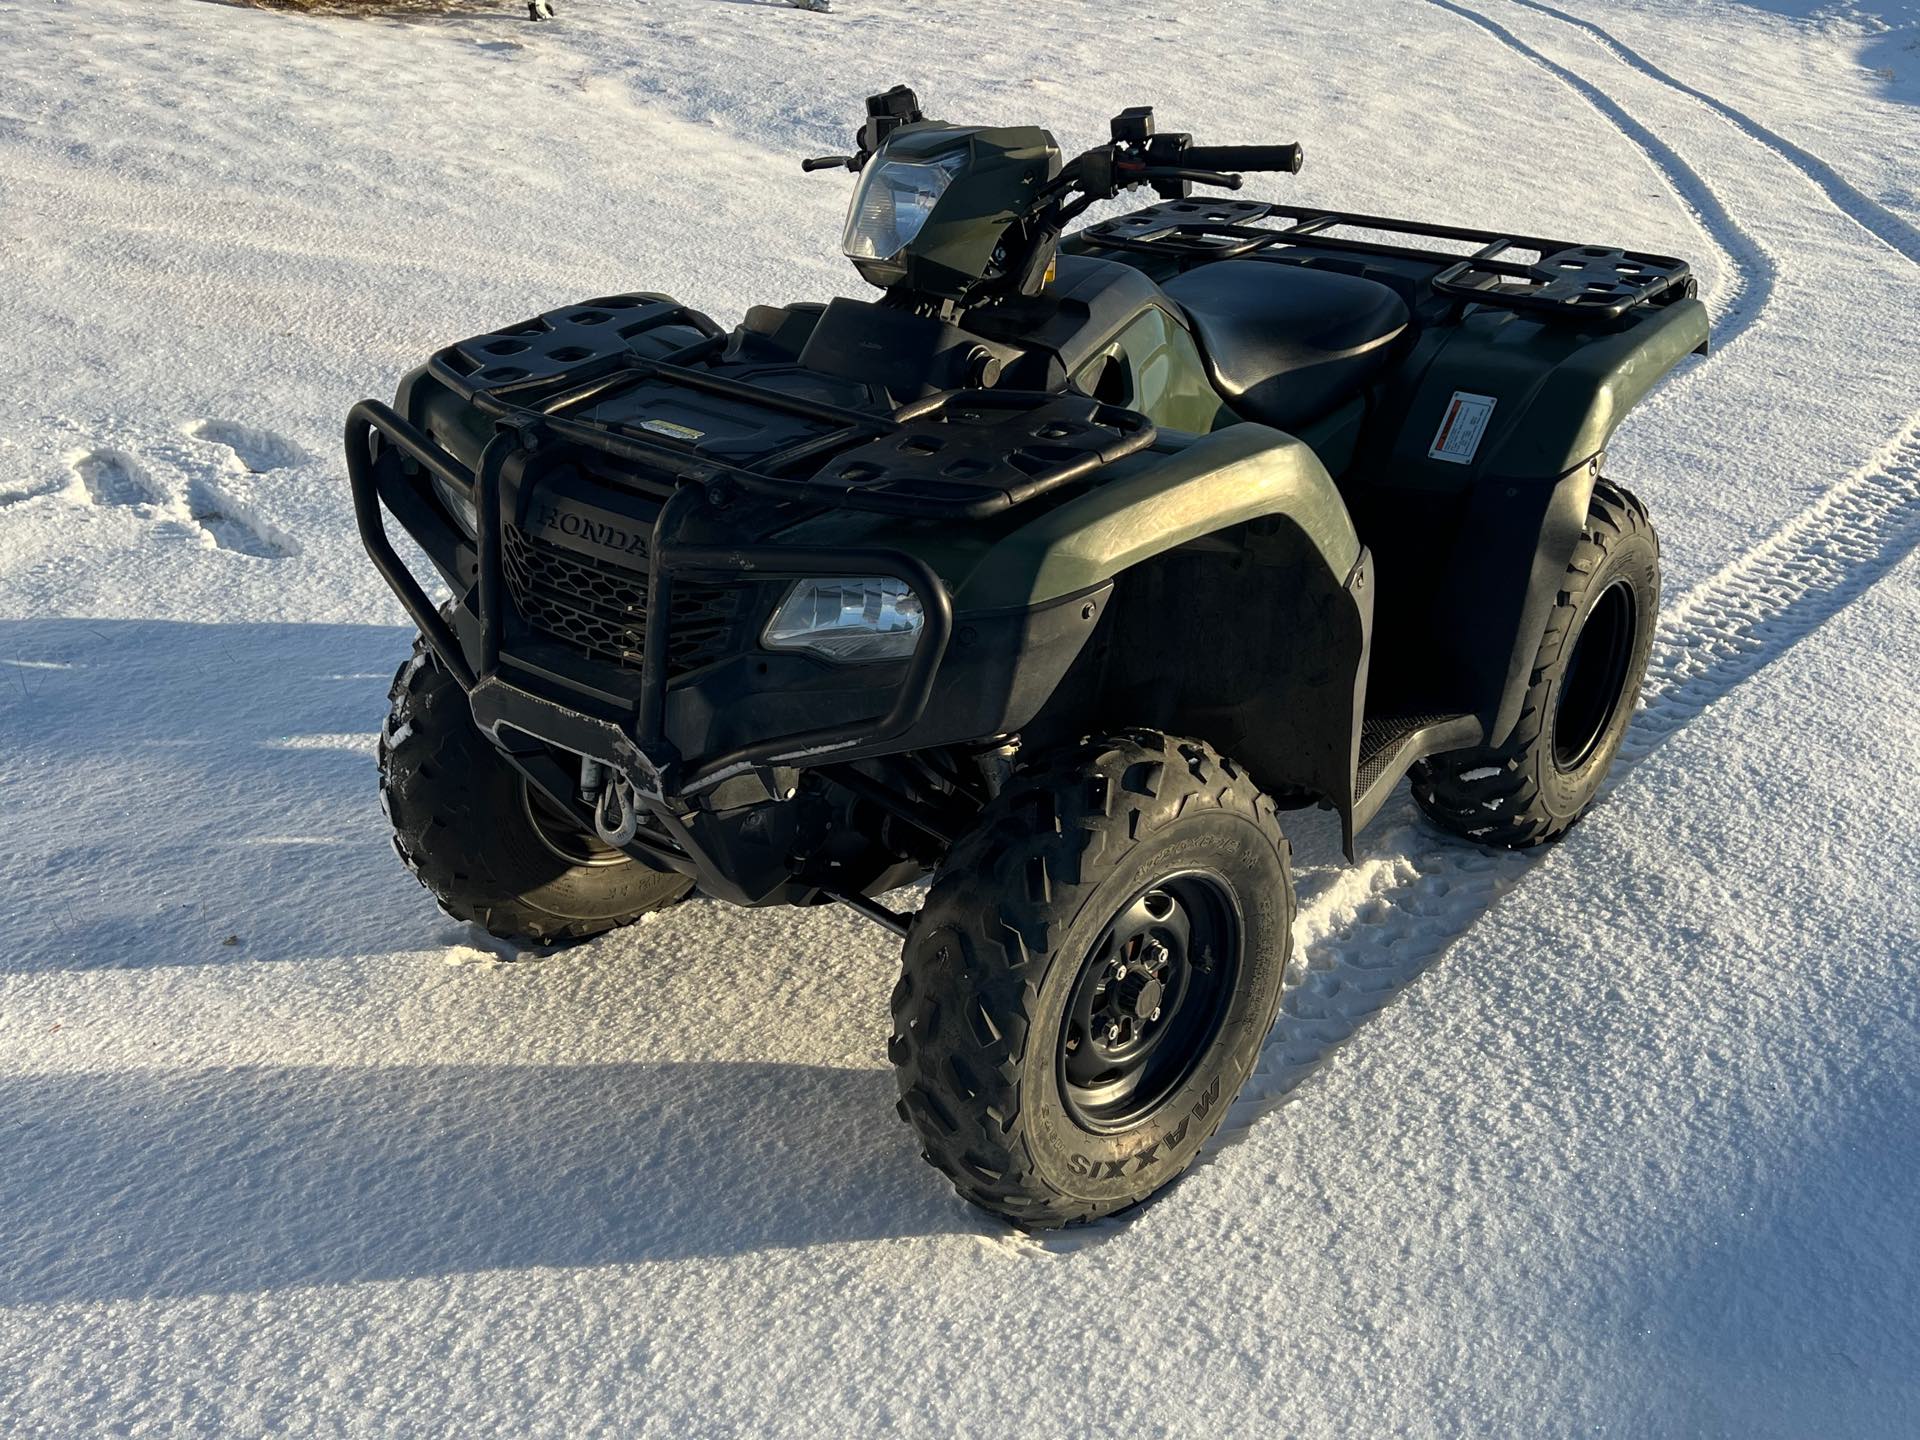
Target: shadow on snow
{"type": "Point", "coordinates": [162, 1183]}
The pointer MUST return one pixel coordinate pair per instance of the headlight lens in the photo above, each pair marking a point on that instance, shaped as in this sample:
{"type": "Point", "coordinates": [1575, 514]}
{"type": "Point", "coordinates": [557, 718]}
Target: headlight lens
{"type": "Point", "coordinates": [893, 202]}
{"type": "Point", "coordinates": [459, 504]}
{"type": "Point", "coordinates": [848, 620]}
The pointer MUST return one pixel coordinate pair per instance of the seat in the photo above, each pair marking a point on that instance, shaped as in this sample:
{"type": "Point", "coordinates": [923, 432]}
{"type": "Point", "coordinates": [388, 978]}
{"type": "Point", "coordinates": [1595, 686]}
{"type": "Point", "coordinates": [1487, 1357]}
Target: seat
{"type": "Point", "coordinates": [1284, 344]}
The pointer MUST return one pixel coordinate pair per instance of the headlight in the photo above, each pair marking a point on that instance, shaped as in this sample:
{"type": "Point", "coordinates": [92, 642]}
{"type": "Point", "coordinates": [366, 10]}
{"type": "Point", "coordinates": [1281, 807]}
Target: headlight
{"type": "Point", "coordinates": [458, 503]}
{"type": "Point", "coordinates": [893, 202]}
{"type": "Point", "coordinates": [849, 620]}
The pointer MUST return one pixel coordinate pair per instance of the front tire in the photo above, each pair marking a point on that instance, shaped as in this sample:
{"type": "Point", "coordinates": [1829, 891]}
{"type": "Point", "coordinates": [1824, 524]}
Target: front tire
{"type": "Point", "coordinates": [491, 848]}
{"type": "Point", "coordinates": [1580, 697]}
{"type": "Point", "coordinates": [1091, 979]}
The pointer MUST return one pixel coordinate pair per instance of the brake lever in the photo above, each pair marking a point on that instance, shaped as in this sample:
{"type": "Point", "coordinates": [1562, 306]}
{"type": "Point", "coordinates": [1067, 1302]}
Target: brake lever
{"type": "Point", "coordinates": [1175, 172]}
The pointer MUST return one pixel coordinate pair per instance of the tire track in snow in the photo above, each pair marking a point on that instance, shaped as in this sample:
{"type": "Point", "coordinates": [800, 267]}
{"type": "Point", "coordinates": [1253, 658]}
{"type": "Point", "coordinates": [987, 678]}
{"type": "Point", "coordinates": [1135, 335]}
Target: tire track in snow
{"type": "Point", "coordinates": [1758, 607]}
{"type": "Point", "coordinates": [1755, 271]}
{"type": "Point", "coordinates": [1896, 233]}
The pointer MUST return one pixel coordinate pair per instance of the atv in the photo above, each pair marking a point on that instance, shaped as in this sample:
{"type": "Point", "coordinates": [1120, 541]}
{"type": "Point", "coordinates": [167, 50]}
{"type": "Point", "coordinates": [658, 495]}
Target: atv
{"type": "Point", "coordinates": [1059, 571]}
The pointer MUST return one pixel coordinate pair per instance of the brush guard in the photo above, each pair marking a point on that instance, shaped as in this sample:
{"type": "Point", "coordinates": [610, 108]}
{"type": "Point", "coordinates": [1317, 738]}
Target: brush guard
{"type": "Point", "coordinates": [956, 455]}
{"type": "Point", "coordinates": [639, 750]}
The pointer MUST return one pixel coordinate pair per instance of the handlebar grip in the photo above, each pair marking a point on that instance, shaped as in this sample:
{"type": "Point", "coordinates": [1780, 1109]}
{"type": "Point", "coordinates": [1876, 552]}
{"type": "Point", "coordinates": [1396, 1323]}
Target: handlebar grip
{"type": "Point", "coordinates": [1284, 158]}
{"type": "Point", "coordinates": [827, 162]}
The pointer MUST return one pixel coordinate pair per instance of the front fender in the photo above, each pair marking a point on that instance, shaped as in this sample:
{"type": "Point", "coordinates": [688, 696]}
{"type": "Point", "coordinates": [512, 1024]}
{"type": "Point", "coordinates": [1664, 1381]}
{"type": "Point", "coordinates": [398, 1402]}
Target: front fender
{"type": "Point", "coordinates": [1241, 609]}
{"type": "Point", "coordinates": [1156, 501]}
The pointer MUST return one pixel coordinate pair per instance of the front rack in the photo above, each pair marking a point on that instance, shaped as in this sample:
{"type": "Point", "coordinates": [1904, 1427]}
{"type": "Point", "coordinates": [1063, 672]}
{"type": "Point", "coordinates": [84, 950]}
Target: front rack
{"type": "Point", "coordinates": [956, 455]}
{"type": "Point", "coordinates": [1564, 282]}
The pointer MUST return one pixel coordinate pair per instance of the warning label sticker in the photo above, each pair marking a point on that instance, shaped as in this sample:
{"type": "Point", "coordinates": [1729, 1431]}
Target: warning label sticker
{"type": "Point", "coordinates": [1461, 426]}
{"type": "Point", "coordinates": [672, 428]}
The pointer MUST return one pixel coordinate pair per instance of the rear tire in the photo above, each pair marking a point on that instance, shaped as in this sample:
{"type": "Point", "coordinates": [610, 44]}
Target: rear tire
{"type": "Point", "coordinates": [1092, 977]}
{"type": "Point", "coordinates": [487, 845]}
{"type": "Point", "coordinates": [1586, 678]}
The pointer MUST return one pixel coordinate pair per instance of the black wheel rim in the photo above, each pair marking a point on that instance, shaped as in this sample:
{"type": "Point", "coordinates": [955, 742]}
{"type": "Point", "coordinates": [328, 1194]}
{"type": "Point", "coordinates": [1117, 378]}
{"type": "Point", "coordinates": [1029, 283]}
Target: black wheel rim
{"type": "Point", "coordinates": [1594, 685]}
{"type": "Point", "coordinates": [564, 836]}
{"type": "Point", "coordinates": [1149, 1001]}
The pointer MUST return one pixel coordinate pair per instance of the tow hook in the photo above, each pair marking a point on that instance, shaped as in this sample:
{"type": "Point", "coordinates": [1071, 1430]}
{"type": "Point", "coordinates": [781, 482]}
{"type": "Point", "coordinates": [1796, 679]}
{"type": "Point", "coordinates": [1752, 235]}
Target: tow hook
{"type": "Point", "coordinates": [616, 811]}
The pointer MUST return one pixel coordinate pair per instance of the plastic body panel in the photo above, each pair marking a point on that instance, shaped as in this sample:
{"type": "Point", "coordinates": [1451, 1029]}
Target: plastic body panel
{"type": "Point", "coordinates": [1471, 553]}
{"type": "Point", "coordinates": [1154, 502]}
{"type": "Point", "coordinates": [1559, 393]}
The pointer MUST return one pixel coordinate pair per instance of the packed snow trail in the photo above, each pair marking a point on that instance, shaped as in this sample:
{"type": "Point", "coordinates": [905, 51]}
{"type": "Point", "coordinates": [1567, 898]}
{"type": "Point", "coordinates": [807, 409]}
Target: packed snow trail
{"type": "Point", "coordinates": [1720, 634]}
{"type": "Point", "coordinates": [1876, 219]}
{"type": "Point", "coordinates": [1755, 269]}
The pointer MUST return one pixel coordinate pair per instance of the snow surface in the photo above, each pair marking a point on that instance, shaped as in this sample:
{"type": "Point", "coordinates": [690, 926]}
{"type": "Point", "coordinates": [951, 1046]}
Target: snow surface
{"type": "Point", "coordinates": [1618, 1140]}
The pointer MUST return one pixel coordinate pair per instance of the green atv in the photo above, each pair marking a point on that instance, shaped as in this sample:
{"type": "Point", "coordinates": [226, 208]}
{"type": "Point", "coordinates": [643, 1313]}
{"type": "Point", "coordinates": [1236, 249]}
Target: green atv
{"type": "Point", "coordinates": [1059, 570]}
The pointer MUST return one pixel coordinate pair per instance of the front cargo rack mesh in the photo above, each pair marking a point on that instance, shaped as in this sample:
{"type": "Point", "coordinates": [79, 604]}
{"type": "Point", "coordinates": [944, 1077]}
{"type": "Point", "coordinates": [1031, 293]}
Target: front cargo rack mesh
{"type": "Point", "coordinates": [1555, 280]}
{"type": "Point", "coordinates": [984, 448]}
{"type": "Point", "coordinates": [958, 454]}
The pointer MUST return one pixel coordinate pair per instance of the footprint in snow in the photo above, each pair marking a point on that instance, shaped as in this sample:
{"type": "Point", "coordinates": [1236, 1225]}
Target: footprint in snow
{"type": "Point", "coordinates": [113, 477]}
{"type": "Point", "coordinates": [254, 449]}
{"type": "Point", "coordinates": [210, 510]}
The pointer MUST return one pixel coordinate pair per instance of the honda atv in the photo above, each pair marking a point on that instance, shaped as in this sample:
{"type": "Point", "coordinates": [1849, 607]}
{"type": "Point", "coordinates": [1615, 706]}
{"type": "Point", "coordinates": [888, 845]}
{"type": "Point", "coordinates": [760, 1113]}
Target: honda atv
{"type": "Point", "coordinates": [1059, 571]}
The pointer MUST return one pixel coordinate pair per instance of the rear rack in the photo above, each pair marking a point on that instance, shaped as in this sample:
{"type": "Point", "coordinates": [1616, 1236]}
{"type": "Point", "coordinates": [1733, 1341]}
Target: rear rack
{"type": "Point", "coordinates": [956, 455]}
{"type": "Point", "coordinates": [1564, 282]}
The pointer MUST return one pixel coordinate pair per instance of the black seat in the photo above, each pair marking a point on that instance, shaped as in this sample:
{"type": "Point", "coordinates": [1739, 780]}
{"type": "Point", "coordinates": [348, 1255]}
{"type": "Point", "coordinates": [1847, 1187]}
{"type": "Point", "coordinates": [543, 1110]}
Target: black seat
{"type": "Point", "coordinates": [1284, 344]}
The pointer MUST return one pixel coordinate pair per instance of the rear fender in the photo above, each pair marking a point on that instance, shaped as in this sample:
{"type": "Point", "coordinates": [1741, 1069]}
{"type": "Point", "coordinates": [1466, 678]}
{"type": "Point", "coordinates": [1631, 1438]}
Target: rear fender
{"type": "Point", "coordinates": [1569, 422]}
{"type": "Point", "coordinates": [1557, 393]}
{"type": "Point", "coordinates": [1473, 546]}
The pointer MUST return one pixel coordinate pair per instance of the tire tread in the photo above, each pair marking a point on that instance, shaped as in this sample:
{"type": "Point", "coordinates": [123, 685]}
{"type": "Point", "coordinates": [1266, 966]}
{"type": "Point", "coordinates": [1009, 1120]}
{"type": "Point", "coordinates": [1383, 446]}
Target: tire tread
{"type": "Point", "coordinates": [1096, 800]}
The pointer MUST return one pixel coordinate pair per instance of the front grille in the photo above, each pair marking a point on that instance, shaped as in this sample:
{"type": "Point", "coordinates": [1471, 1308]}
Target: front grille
{"type": "Point", "coordinates": [601, 609]}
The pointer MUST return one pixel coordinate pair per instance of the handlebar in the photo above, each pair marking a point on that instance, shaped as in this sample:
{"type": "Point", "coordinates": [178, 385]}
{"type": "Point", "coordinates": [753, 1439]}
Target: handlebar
{"type": "Point", "coordinates": [1285, 159]}
{"type": "Point", "coordinates": [1031, 233]}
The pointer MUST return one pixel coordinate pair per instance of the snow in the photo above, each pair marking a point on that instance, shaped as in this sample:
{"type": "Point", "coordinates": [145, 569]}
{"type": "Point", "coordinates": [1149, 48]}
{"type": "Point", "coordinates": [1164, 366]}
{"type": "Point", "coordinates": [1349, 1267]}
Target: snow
{"type": "Point", "coordinates": [1618, 1140]}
